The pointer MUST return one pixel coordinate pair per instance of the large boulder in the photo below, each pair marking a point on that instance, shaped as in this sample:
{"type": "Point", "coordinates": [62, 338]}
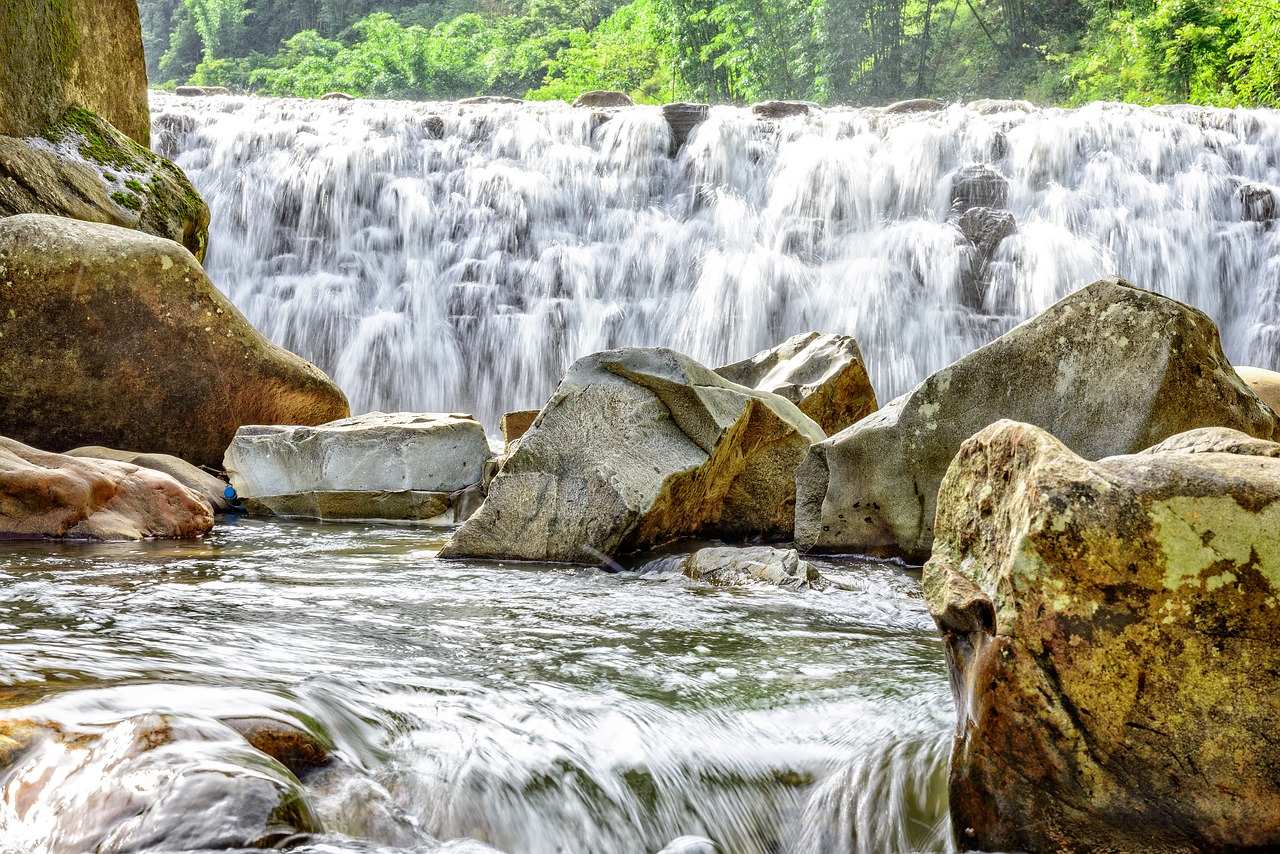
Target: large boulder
{"type": "Point", "coordinates": [638, 447]}
{"type": "Point", "coordinates": [1111, 369]}
{"type": "Point", "coordinates": [51, 495]}
{"type": "Point", "coordinates": [402, 465]}
{"type": "Point", "coordinates": [117, 338]}
{"type": "Point", "coordinates": [603, 99]}
{"type": "Point", "coordinates": [212, 489]}
{"type": "Point", "coordinates": [1264, 383]}
{"type": "Point", "coordinates": [682, 117]}
{"type": "Point", "coordinates": [83, 168]}
{"type": "Point", "coordinates": [823, 375]}
{"type": "Point", "coordinates": [59, 54]}
{"type": "Point", "coordinates": [1110, 634]}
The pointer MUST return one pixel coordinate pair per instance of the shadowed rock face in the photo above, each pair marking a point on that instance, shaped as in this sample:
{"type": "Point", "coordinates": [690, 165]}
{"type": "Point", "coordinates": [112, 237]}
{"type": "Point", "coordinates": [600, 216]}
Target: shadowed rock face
{"type": "Point", "coordinates": [59, 54]}
{"type": "Point", "coordinates": [638, 447]}
{"type": "Point", "coordinates": [1110, 633]}
{"type": "Point", "coordinates": [112, 337]}
{"type": "Point", "coordinates": [1111, 369]}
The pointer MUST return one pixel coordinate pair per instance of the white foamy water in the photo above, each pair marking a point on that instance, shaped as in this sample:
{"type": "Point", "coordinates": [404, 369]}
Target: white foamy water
{"type": "Point", "coordinates": [445, 257]}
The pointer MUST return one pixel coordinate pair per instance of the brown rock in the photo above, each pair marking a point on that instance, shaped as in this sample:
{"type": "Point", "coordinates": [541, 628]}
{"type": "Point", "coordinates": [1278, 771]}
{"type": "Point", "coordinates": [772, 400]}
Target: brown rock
{"type": "Point", "coordinates": [292, 746]}
{"type": "Point", "coordinates": [212, 489]}
{"type": "Point", "coordinates": [782, 109]}
{"type": "Point", "coordinates": [516, 424]}
{"type": "Point", "coordinates": [603, 99]}
{"type": "Point", "coordinates": [682, 118]}
{"type": "Point", "coordinates": [59, 54]}
{"type": "Point", "coordinates": [336, 96]}
{"type": "Point", "coordinates": [112, 337]}
{"type": "Point", "coordinates": [52, 495]}
{"type": "Point", "coordinates": [915, 105]}
{"type": "Point", "coordinates": [823, 375]}
{"type": "Point", "coordinates": [639, 447]}
{"type": "Point", "coordinates": [1110, 634]}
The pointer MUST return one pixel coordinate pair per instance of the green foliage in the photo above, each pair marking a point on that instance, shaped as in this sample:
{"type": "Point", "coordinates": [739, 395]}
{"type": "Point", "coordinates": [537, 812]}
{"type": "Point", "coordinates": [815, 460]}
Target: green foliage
{"type": "Point", "coordinates": [830, 51]}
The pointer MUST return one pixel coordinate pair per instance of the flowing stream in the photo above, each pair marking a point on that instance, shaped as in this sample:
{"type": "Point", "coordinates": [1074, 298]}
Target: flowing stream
{"type": "Point", "coordinates": [532, 708]}
{"type": "Point", "coordinates": [443, 257]}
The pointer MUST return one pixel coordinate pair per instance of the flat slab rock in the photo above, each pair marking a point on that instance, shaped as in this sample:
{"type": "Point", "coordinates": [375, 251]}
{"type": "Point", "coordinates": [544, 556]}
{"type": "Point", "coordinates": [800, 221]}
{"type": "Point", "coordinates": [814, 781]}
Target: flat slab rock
{"type": "Point", "coordinates": [1110, 633]}
{"type": "Point", "coordinates": [375, 466]}
{"type": "Point", "coordinates": [53, 495]}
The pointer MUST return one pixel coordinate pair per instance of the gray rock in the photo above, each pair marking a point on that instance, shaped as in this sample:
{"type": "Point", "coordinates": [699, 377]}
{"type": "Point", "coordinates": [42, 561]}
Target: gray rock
{"type": "Point", "coordinates": [603, 99]}
{"type": "Point", "coordinates": [211, 489]}
{"type": "Point", "coordinates": [1257, 202]}
{"type": "Point", "coordinates": [683, 118]}
{"type": "Point", "coordinates": [985, 228]}
{"type": "Point", "coordinates": [375, 466]}
{"type": "Point", "coordinates": [1111, 369]}
{"type": "Point", "coordinates": [822, 374]}
{"type": "Point", "coordinates": [639, 447]}
{"type": "Point", "coordinates": [491, 99]}
{"type": "Point", "coordinates": [728, 566]}
{"type": "Point", "coordinates": [979, 186]}
{"type": "Point", "coordinates": [1110, 635]}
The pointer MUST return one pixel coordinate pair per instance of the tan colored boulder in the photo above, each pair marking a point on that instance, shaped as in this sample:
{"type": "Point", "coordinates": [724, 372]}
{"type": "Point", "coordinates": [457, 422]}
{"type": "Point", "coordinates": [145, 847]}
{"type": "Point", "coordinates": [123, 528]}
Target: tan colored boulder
{"type": "Point", "coordinates": [516, 424]}
{"type": "Point", "coordinates": [59, 54]}
{"type": "Point", "coordinates": [1265, 384]}
{"type": "Point", "coordinates": [1110, 633]}
{"type": "Point", "coordinates": [112, 337]}
{"type": "Point", "coordinates": [603, 99]}
{"type": "Point", "coordinates": [52, 495]}
{"type": "Point", "coordinates": [1111, 369]}
{"type": "Point", "coordinates": [823, 375]}
{"type": "Point", "coordinates": [212, 489]}
{"type": "Point", "coordinates": [639, 447]}
{"type": "Point", "coordinates": [85, 169]}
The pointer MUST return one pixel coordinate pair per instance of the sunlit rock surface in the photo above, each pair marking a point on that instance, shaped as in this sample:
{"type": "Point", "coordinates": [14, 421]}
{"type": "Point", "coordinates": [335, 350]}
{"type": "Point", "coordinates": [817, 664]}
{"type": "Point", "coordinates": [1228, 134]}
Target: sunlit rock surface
{"type": "Point", "coordinates": [1111, 369]}
{"type": "Point", "coordinates": [401, 465]}
{"type": "Point", "coordinates": [116, 338]}
{"type": "Point", "coordinates": [212, 489]}
{"type": "Point", "coordinates": [638, 447]}
{"type": "Point", "coordinates": [1110, 631]}
{"type": "Point", "coordinates": [823, 375]}
{"type": "Point", "coordinates": [52, 495]}
{"type": "Point", "coordinates": [733, 566]}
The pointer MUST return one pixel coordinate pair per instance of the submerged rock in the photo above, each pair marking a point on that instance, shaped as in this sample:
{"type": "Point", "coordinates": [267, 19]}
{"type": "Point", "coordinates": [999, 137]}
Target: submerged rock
{"type": "Point", "coordinates": [1111, 369]}
{"type": "Point", "coordinates": [1110, 634]}
{"type": "Point", "coordinates": [639, 447]}
{"type": "Point", "coordinates": [151, 782]}
{"type": "Point", "coordinates": [729, 566]}
{"type": "Point", "coordinates": [401, 465]}
{"type": "Point", "coordinates": [52, 495]}
{"type": "Point", "coordinates": [85, 169]}
{"type": "Point", "coordinates": [823, 375]}
{"type": "Point", "coordinates": [116, 338]}
{"type": "Point", "coordinates": [212, 489]}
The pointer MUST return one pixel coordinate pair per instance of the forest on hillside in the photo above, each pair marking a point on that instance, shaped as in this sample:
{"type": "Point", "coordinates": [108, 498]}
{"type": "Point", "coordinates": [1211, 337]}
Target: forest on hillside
{"type": "Point", "coordinates": [1220, 52]}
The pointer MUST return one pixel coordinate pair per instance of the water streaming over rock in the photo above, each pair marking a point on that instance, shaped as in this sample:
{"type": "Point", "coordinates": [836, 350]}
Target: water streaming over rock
{"type": "Point", "coordinates": [533, 709]}
{"type": "Point", "coordinates": [446, 257]}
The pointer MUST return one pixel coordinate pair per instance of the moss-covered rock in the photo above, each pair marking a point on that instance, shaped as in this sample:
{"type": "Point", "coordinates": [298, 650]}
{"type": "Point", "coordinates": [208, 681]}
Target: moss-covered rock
{"type": "Point", "coordinates": [58, 54]}
{"type": "Point", "coordinates": [1111, 632]}
{"type": "Point", "coordinates": [83, 168]}
{"type": "Point", "coordinates": [117, 338]}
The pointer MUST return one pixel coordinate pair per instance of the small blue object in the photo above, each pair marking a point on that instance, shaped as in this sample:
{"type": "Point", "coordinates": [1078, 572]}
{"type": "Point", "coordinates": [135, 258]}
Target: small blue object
{"type": "Point", "coordinates": [229, 493]}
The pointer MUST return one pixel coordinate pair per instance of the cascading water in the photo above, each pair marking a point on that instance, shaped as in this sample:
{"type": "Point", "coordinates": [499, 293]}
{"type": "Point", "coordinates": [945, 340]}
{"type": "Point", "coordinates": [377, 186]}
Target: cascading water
{"type": "Point", "coordinates": [449, 257]}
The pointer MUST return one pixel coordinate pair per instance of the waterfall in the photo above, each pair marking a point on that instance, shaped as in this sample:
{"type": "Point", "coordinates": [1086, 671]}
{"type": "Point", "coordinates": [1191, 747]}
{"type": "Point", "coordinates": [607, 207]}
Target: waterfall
{"type": "Point", "coordinates": [448, 257]}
